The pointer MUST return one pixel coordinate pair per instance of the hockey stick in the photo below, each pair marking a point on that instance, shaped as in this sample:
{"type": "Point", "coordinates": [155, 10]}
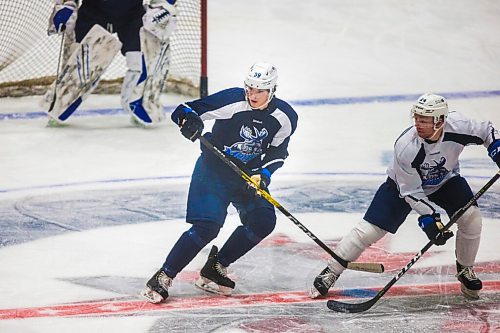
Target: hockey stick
{"type": "Point", "coordinates": [61, 48]}
{"type": "Point", "coordinates": [358, 266]}
{"type": "Point", "coordinates": [360, 307]}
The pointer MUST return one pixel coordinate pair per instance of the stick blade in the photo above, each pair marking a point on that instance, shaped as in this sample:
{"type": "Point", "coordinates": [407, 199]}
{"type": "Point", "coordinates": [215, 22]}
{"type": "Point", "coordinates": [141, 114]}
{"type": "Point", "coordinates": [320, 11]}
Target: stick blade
{"type": "Point", "coordinates": [369, 267]}
{"type": "Point", "coordinates": [350, 307]}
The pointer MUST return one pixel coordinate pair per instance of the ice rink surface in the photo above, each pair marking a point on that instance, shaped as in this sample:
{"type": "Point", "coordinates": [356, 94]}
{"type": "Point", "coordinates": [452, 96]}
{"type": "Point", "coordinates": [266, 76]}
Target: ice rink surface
{"type": "Point", "coordinates": [89, 211]}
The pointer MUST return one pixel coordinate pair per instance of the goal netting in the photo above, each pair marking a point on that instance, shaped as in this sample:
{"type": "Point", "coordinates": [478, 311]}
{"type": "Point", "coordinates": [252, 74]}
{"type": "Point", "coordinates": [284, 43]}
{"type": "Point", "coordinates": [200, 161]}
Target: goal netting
{"type": "Point", "coordinates": [28, 56]}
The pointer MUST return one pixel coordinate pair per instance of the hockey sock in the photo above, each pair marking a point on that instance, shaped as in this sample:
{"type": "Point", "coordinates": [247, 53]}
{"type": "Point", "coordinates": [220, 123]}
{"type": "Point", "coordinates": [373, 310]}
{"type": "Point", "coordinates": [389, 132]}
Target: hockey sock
{"type": "Point", "coordinates": [354, 243]}
{"type": "Point", "coordinates": [261, 222]}
{"type": "Point", "coordinates": [468, 236]}
{"type": "Point", "coordinates": [189, 245]}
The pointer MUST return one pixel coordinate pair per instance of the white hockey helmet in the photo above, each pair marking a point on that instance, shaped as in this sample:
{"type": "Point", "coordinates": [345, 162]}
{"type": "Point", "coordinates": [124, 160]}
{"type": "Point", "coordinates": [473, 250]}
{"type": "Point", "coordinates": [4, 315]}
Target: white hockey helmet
{"type": "Point", "coordinates": [431, 105]}
{"type": "Point", "coordinates": [263, 75]}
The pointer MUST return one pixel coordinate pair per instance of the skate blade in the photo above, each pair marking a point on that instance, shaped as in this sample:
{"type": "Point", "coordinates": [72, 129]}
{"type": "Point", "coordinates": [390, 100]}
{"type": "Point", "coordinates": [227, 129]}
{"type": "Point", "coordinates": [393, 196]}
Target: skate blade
{"type": "Point", "coordinates": [152, 296]}
{"type": "Point", "coordinates": [469, 293]}
{"type": "Point", "coordinates": [53, 123]}
{"type": "Point", "coordinates": [212, 287]}
{"type": "Point", "coordinates": [137, 123]}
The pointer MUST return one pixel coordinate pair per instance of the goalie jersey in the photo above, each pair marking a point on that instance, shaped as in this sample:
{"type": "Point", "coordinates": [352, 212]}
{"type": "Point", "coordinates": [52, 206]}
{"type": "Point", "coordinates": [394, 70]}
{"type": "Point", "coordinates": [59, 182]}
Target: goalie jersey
{"type": "Point", "coordinates": [255, 139]}
{"type": "Point", "coordinates": [117, 11]}
{"type": "Point", "coordinates": [421, 167]}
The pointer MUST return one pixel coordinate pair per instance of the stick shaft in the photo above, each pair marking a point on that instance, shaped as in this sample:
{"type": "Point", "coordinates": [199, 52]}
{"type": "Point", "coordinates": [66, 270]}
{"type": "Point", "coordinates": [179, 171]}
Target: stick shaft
{"type": "Point", "coordinates": [369, 267]}
{"type": "Point", "coordinates": [360, 307]}
{"type": "Point", "coordinates": [61, 48]}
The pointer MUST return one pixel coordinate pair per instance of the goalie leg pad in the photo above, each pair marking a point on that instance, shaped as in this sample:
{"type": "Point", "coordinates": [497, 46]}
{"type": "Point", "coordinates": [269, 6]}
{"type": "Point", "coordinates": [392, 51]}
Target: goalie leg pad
{"type": "Point", "coordinates": [157, 59]}
{"type": "Point", "coordinates": [133, 87]}
{"type": "Point", "coordinates": [82, 71]}
{"type": "Point", "coordinates": [143, 99]}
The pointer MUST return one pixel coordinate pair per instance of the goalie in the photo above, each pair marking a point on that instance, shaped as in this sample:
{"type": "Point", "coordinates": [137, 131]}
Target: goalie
{"type": "Point", "coordinates": [88, 47]}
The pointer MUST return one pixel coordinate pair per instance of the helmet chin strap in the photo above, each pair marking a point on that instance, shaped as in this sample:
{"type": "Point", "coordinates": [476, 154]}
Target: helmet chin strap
{"type": "Point", "coordinates": [435, 136]}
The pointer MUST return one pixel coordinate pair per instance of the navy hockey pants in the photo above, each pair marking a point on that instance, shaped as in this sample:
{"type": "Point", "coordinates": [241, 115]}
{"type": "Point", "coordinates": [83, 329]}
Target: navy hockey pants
{"type": "Point", "coordinates": [213, 187]}
{"type": "Point", "coordinates": [388, 211]}
{"type": "Point", "coordinates": [128, 31]}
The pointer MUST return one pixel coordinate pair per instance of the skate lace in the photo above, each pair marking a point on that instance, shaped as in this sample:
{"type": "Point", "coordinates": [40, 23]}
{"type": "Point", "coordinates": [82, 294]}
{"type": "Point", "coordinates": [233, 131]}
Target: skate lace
{"type": "Point", "coordinates": [164, 281]}
{"type": "Point", "coordinates": [328, 278]}
{"type": "Point", "coordinates": [221, 269]}
{"type": "Point", "coordinates": [468, 273]}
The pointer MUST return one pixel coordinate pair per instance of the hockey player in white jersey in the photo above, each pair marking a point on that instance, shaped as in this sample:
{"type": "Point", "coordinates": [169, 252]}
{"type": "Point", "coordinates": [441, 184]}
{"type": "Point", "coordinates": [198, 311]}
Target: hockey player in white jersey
{"type": "Point", "coordinates": [143, 29]}
{"type": "Point", "coordinates": [423, 175]}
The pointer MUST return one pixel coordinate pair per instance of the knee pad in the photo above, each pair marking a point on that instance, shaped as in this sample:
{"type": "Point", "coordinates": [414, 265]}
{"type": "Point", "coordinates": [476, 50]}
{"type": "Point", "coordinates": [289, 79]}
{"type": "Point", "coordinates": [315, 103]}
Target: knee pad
{"type": "Point", "coordinates": [470, 223]}
{"type": "Point", "coordinates": [203, 233]}
{"type": "Point", "coordinates": [259, 223]}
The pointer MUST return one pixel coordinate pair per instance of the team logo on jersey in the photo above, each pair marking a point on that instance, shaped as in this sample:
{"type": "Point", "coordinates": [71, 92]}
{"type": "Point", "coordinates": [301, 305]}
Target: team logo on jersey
{"type": "Point", "coordinates": [251, 147]}
{"type": "Point", "coordinates": [433, 174]}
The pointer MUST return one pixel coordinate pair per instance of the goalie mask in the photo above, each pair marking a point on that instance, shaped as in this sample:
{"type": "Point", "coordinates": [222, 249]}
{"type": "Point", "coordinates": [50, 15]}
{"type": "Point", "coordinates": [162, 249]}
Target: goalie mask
{"type": "Point", "coordinates": [431, 105]}
{"type": "Point", "coordinates": [264, 76]}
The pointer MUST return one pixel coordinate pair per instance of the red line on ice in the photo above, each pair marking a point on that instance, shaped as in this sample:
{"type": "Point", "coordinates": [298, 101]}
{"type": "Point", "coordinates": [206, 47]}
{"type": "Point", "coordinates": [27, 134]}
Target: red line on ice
{"type": "Point", "coordinates": [99, 308]}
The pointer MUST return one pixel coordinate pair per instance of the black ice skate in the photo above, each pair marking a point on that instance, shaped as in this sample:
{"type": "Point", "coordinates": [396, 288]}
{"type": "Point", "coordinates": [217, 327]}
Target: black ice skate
{"type": "Point", "coordinates": [157, 287]}
{"type": "Point", "coordinates": [213, 276]}
{"type": "Point", "coordinates": [323, 282]}
{"type": "Point", "coordinates": [470, 284]}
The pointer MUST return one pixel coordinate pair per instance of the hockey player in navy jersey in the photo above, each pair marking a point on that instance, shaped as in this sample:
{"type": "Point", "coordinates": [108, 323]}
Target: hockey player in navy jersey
{"type": "Point", "coordinates": [253, 128]}
{"type": "Point", "coordinates": [143, 29]}
{"type": "Point", "coordinates": [423, 176]}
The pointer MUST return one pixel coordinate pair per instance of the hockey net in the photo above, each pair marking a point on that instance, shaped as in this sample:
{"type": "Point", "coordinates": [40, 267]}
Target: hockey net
{"type": "Point", "coordinates": [28, 56]}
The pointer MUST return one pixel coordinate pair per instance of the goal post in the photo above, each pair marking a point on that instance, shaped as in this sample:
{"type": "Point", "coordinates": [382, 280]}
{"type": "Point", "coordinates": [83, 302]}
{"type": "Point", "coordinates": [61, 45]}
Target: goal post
{"type": "Point", "coordinates": [28, 56]}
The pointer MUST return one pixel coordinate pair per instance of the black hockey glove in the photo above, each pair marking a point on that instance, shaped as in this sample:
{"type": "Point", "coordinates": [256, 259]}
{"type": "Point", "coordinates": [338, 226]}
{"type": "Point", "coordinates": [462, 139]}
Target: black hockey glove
{"type": "Point", "coordinates": [263, 179]}
{"type": "Point", "coordinates": [191, 125]}
{"type": "Point", "coordinates": [432, 226]}
{"type": "Point", "coordinates": [494, 152]}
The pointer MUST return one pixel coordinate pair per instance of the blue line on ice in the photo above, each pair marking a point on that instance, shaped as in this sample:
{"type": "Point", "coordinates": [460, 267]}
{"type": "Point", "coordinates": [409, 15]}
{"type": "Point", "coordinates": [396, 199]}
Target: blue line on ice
{"type": "Point", "coordinates": [359, 293]}
{"type": "Point", "coordinates": [305, 102]}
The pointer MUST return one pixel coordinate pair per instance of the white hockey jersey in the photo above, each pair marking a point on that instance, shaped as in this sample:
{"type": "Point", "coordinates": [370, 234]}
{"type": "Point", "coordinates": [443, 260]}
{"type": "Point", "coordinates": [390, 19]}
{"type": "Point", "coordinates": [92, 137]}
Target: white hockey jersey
{"type": "Point", "coordinates": [420, 167]}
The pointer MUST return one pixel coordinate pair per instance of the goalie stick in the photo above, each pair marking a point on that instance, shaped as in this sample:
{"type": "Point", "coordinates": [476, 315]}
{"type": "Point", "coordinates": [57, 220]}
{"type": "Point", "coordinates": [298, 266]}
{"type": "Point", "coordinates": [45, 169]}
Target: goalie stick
{"type": "Point", "coordinates": [358, 266]}
{"type": "Point", "coordinates": [360, 307]}
{"type": "Point", "coordinates": [58, 71]}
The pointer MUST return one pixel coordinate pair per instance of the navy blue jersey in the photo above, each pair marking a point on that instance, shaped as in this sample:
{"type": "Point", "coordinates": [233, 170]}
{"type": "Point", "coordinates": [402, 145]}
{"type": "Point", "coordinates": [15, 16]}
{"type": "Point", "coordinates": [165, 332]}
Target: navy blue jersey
{"type": "Point", "coordinates": [257, 139]}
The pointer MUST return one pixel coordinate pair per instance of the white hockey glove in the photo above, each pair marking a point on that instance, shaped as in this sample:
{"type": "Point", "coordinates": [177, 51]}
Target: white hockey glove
{"type": "Point", "coordinates": [63, 17]}
{"type": "Point", "coordinates": [160, 18]}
